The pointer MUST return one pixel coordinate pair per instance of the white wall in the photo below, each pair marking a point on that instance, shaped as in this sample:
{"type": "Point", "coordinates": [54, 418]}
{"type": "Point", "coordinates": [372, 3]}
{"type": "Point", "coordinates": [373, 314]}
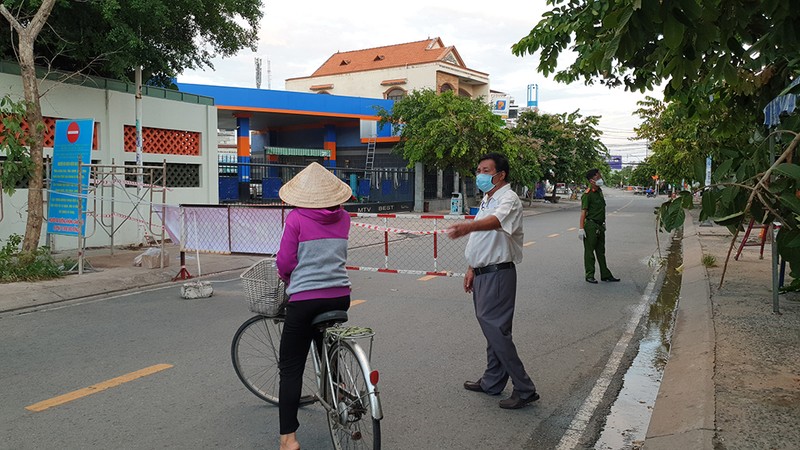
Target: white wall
{"type": "Point", "coordinates": [368, 83]}
{"type": "Point", "coordinates": [113, 110]}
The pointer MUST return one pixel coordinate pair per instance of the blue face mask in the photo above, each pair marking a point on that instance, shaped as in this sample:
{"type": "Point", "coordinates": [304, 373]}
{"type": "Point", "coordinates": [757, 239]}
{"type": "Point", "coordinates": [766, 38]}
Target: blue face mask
{"type": "Point", "coordinates": [484, 182]}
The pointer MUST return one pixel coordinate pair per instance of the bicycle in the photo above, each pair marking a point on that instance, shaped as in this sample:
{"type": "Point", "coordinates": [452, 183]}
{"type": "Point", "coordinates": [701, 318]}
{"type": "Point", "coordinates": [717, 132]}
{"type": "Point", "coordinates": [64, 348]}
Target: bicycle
{"type": "Point", "coordinates": [338, 375]}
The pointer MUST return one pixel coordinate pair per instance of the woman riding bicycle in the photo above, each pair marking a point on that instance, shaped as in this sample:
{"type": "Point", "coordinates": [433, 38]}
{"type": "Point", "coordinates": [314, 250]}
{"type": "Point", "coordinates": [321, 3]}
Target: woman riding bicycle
{"type": "Point", "coordinates": [311, 261]}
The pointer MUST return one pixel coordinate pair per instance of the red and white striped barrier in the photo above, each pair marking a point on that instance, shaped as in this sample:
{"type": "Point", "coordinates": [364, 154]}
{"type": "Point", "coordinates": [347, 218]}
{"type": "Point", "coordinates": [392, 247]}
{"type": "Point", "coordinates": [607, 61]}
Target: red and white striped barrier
{"type": "Point", "coordinates": [405, 272]}
{"type": "Point", "coordinates": [393, 230]}
{"type": "Point", "coordinates": [121, 182]}
{"type": "Point", "coordinates": [123, 217]}
{"type": "Point", "coordinates": [439, 223]}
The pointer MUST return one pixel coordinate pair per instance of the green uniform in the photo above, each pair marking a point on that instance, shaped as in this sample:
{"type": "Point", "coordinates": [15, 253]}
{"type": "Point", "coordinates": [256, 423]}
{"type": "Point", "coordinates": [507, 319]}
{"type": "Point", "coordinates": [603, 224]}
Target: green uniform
{"type": "Point", "coordinates": [595, 228]}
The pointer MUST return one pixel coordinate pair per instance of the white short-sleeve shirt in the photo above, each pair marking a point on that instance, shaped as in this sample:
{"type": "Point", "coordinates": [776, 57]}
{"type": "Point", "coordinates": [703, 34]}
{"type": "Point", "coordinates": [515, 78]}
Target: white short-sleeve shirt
{"type": "Point", "coordinates": [503, 244]}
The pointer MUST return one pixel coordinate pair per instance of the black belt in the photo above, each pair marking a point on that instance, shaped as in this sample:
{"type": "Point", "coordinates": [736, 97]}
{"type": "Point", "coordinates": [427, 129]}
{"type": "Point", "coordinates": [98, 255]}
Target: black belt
{"type": "Point", "coordinates": [493, 268]}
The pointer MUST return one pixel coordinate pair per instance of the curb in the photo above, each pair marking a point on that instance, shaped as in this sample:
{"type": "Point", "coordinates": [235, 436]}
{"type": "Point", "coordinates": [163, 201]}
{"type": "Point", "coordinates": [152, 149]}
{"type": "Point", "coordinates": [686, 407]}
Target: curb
{"type": "Point", "coordinates": [684, 411]}
{"type": "Point", "coordinates": [25, 296]}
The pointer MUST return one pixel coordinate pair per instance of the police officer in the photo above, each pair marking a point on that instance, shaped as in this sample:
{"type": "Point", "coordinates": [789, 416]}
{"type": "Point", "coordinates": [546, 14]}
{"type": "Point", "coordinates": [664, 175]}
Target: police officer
{"type": "Point", "coordinates": [593, 228]}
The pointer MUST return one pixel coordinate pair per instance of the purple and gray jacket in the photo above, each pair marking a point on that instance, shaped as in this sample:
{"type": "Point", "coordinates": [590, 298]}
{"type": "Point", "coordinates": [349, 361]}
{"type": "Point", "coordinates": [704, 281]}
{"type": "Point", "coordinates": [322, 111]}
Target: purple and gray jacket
{"type": "Point", "coordinates": [312, 255]}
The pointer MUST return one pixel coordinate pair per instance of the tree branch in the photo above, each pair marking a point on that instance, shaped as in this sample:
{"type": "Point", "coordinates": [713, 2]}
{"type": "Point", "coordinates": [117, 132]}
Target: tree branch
{"type": "Point", "coordinates": [761, 183]}
{"type": "Point", "coordinates": [38, 21]}
{"type": "Point", "coordinates": [41, 17]}
{"type": "Point", "coordinates": [12, 20]}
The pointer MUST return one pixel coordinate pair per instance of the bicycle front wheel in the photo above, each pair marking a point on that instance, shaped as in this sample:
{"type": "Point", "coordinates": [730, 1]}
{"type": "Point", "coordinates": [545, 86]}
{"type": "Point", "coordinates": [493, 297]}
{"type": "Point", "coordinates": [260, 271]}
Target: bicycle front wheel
{"type": "Point", "coordinates": [255, 352]}
{"type": "Point", "coordinates": [350, 421]}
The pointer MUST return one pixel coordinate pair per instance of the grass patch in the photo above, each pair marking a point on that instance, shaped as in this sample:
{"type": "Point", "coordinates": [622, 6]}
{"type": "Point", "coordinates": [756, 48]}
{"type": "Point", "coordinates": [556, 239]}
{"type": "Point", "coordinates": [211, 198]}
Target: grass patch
{"type": "Point", "coordinates": [709, 260]}
{"type": "Point", "coordinates": [16, 265]}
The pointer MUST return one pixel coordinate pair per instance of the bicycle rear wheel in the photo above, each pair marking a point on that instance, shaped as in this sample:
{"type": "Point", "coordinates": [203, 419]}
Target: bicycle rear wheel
{"type": "Point", "coordinates": [351, 423]}
{"type": "Point", "coordinates": [255, 353]}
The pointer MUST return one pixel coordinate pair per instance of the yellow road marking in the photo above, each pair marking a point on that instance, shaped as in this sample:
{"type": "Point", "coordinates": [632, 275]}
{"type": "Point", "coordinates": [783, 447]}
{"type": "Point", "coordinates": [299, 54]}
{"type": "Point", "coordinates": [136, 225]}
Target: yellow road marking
{"type": "Point", "coordinates": [357, 302]}
{"type": "Point", "coordinates": [427, 277]}
{"type": "Point", "coordinates": [571, 229]}
{"type": "Point", "coordinates": [554, 235]}
{"type": "Point", "coordinates": [528, 244]}
{"type": "Point", "coordinates": [74, 395]}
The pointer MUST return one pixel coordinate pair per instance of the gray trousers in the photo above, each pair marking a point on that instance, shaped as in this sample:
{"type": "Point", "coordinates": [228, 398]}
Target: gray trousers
{"type": "Point", "coordinates": [494, 295]}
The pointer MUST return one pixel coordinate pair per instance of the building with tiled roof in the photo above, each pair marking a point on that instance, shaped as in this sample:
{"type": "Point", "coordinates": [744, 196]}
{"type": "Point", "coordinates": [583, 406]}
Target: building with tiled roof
{"type": "Point", "coordinates": [391, 71]}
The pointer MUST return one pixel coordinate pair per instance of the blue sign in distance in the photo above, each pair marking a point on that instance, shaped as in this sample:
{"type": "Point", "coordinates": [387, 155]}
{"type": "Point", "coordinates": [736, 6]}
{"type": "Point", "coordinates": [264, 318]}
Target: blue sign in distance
{"type": "Point", "coordinates": [73, 143]}
{"type": "Point", "coordinates": [615, 162]}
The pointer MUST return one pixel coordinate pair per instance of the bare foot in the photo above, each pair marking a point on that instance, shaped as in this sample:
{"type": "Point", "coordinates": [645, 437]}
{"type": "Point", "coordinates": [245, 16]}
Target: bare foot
{"type": "Point", "coordinates": [289, 442]}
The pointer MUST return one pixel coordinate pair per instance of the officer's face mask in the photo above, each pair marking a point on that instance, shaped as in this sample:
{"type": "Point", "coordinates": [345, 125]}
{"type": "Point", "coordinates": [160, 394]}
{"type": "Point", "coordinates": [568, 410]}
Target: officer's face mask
{"type": "Point", "coordinates": [599, 182]}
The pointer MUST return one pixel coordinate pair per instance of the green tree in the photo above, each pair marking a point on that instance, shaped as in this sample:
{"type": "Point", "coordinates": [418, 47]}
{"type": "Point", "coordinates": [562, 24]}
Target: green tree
{"type": "Point", "coordinates": [14, 143]}
{"type": "Point", "coordinates": [642, 174]}
{"type": "Point", "coordinates": [569, 144]}
{"type": "Point", "coordinates": [673, 143]}
{"type": "Point", "coordinates": [27, 31]}
{"type": "Point", "coordinates": [109, 38]}
{"type": "Point", "coordinates": [620, 177]}
{"type": "Point", "coordinates": [524, 153]}
{"type": "Point", "coordinates": [695, 46]}
{"type": "Point", "coordinates": [680, 142]}
{"type": "Point", "coordinates": [738, 55]}
{"type": "Point", "coordinates": [445, 130]}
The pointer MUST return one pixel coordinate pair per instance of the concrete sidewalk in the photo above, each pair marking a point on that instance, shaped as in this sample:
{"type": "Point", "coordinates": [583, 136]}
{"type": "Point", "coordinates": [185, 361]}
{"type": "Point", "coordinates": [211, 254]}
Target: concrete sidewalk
{"type": "Point", "coordinates": [113, 273]}
{"type": "Point", "coordinates": [683, 415]}
{"type": "Point", "coordinates": [733, 376]}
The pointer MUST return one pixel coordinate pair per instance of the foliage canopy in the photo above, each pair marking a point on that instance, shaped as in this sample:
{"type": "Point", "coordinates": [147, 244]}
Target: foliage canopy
{"type": "Point", "coordinates": [110, 38]}
{"type": "Point", "coordinates": [568, 144]}
{"type": "Point", "coordinates": [722, 62]}
{"type": "Point", "coordinates": [445, 130]}
{"type": "Point", "coordinates": [14, 142]}
{"type": "Point", "coordinates": [696, 46]}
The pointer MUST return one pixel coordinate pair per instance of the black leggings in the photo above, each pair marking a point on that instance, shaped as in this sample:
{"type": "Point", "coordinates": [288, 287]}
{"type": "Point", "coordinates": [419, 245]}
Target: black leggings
{"type": "Point", "coordinates": [295, 344]}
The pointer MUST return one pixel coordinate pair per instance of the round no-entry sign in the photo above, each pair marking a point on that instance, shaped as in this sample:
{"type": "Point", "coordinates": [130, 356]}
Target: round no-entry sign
{"type": "Point", "coordinates": [73, 131]}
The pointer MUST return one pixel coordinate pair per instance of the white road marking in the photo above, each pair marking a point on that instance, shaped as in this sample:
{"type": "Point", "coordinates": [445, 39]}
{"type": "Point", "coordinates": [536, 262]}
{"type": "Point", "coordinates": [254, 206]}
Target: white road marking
{"type": "Point", "coordinates": [572, 436]}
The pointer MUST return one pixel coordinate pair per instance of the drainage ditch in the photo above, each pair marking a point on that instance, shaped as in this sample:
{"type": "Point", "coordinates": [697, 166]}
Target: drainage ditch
{"type": "Point", "coordinates": [627, 422]}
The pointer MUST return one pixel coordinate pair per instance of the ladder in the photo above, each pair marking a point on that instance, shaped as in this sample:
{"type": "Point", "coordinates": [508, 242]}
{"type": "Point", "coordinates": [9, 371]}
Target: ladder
{"type": "Point", "coordinates": [762, 238]}
{"type": "Point", "coordinates": [370, 164]}
{"type": "Point", "coordinates": [371, 142]}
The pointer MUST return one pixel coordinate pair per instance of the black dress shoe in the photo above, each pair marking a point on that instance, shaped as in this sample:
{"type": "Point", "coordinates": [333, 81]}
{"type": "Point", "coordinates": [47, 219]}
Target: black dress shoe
{"type": "Point", "coordinates": [517, 402]}
{"type": "Point", "coordinates": [591, 280]}
{"type": "Point", "coordinates": [475, 386]}
{"type": "Point", "coordinates": [609, 279]}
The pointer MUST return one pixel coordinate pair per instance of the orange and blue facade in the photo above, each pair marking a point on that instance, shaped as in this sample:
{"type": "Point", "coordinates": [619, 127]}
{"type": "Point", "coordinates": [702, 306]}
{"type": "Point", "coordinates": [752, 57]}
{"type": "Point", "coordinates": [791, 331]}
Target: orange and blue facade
{"type": "Point", "coordinates": [293, 119]}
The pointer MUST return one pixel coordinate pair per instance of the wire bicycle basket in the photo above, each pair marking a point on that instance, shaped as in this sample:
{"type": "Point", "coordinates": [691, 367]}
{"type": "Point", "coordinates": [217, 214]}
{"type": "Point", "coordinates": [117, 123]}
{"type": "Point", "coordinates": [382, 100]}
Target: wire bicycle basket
{"type": "Point", "coordinates": [266, 292]}
{"type": "Point", "coordinates": [353, 333]}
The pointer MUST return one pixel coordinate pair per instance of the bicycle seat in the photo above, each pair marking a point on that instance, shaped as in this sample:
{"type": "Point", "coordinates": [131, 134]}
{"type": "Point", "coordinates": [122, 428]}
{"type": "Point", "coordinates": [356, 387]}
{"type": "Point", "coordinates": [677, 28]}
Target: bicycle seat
{"type": "Point", "coordinates": [329, 318]}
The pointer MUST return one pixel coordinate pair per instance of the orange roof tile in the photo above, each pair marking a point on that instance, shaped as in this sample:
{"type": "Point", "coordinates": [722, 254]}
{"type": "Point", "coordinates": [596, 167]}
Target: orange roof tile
{"type": "Point", "coordinates": [419, 52]}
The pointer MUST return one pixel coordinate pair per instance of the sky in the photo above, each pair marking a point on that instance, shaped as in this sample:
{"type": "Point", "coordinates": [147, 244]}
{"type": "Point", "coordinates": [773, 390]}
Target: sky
{"type": "Point", "coordinates": [297, 37]}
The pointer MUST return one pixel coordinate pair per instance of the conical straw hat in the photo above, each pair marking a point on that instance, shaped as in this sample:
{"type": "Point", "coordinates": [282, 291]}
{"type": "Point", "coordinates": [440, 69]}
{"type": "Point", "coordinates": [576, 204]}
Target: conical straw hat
{"type": "Point", "coordinates": [315, 187]}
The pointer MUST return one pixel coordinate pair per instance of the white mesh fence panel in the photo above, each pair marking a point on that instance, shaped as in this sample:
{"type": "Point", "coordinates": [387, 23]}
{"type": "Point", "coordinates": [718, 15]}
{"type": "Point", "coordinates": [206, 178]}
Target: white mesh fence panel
{"type": "Point", "coordinates": [205, 229]}
{"type": "Point", "coordinates": [392, 243]}
{"type": "Point", "coordinates": [256, 230]}
{"type": "Point", "coordinates": [406, 243]}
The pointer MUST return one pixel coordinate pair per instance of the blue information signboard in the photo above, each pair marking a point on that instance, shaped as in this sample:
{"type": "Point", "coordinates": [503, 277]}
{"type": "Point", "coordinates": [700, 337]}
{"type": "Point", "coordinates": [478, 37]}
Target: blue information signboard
{"type": "Point", "coordinates": [73, 143]}
{"type": "Point", "coordinates": [615, 162]}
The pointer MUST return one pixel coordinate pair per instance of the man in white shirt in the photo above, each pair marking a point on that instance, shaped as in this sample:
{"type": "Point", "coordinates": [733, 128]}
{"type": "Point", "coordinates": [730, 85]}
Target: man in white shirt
{"type": "Point", "coordinates": [493, 250]}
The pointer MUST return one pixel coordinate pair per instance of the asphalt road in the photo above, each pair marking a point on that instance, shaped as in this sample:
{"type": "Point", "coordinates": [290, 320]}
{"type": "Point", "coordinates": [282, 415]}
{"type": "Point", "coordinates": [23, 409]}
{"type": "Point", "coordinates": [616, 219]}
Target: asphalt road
{"type": "Point", "coordinates": [567, 331]}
